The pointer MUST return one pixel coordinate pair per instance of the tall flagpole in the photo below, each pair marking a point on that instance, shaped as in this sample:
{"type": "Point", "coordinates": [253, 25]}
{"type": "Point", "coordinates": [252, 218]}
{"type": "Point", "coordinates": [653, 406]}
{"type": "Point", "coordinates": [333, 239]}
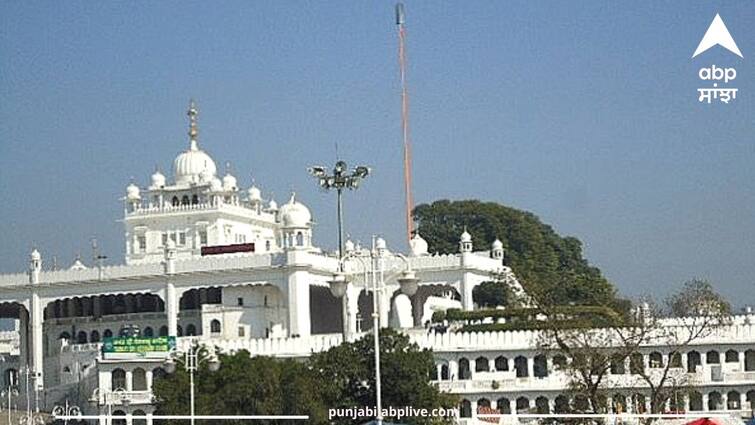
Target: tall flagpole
{"type": "Point", "coordinates": [400, 20]}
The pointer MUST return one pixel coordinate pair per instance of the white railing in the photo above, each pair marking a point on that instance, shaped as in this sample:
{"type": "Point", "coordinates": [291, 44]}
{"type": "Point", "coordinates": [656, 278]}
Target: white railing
{"type": "Point", "coordinates": [280, 347]}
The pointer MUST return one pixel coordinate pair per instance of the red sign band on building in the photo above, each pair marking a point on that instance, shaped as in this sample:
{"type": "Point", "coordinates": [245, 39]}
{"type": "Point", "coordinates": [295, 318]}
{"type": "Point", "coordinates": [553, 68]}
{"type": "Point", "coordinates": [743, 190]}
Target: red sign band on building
{"type": "Point", "coordinates": [227, 249]}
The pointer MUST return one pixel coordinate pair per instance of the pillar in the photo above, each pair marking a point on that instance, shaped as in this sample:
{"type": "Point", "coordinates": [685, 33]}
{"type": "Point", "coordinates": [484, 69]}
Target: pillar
{"type": "Point", "coordinates": [473, 404]}
{"type": "Point", "coordinates": [741, 355]}
{"type": "Point", "coordinates": [171, 308]}
{"type": "Point", "coordinates": [149, 377]}
{"type": "Point", "coordinates": [299, 323]}
{"type": "Point", "coordinates": [129, 380]}
{"type": "Point", "coordinates": [438, 368]}
{"type": "Point", "coordinates": [705, 402]}
{"type": "Point", "coordinates": [491, 364]}
{"type": "Point", "coordinates": [512, 405]}
{"type": "Point", "coordinates": [453, 370]}
{"type": "Point", "coordinates": [530, 367]}
{"type": "Point", "coordinates": [36, 319]}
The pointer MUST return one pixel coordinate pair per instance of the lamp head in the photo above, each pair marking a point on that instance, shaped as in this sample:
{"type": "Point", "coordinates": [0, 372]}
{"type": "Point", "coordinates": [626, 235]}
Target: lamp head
{"type": "Point", "coordinates": [338, 284]}
{"type": "Point", "coordinates": [214, 364]}
{"type": "Point", "coordinates": [170, 366]}
{"type": "Point", "coordinates": [409, 283]}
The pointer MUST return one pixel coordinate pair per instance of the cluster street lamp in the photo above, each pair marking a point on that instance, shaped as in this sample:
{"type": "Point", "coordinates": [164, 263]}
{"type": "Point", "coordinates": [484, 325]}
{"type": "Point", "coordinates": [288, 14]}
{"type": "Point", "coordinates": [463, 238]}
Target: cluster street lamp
{"type": "Point", "coordinates": [66, 411]}
{"type": "Point", "coordinates": [340, 179]}
{"type": "Point", "coordinates": [374, 280]}
{"type": "Point", "coordinates": [109, 398]}
{"type": "Point", "coordinates": [194, 356]}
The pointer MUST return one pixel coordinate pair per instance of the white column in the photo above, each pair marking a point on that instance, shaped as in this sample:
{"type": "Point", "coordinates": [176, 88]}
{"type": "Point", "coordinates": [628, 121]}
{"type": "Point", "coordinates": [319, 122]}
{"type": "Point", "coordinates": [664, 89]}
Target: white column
{"type": "Point", "coordinates": [741, 360]}
{"type": "Point", "coordinates": [298, 300]}
{"type": "Point", "coordinates": [705, 402]}
{"type": "Point", "coordinates": [491, 364]}
{"type": "Point", "coordinates": [453, 370]}
{"type": "Point", "coordinates": [171, 308]}
{"type": "Point", "coordinates": [129, 380]}
{"type": "Point", "coordinates": [149, 377]}
{"type": "Point", "coordinates": [438, 368]}
{"type": "Point", "coordinates": [473, 403]}
{"type": "Point", "coordinates": [530, 367]}
{"type": "Point", "coordinates": [37, 319]}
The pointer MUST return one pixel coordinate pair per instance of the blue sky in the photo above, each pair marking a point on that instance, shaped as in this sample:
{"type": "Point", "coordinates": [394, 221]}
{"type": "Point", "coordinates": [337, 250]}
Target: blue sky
{"type": "Point", "coordinates": [584, 113]}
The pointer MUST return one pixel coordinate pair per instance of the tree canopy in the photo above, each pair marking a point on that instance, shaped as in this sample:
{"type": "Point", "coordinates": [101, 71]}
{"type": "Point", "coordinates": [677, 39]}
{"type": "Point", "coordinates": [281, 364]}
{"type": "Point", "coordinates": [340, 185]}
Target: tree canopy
{"type": "Point", "coordinates": [342, 377]}
{"type": "Point", "coordinates": [551, 267]}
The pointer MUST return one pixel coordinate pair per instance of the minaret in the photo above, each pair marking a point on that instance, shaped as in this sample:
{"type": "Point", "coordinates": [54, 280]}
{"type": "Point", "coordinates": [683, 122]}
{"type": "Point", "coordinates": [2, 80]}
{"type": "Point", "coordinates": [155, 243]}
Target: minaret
{"type": "Point", "coordinates": [193, 112]}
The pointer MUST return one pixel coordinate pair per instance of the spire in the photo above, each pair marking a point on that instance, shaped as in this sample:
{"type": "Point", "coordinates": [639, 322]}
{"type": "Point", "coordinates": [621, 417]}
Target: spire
{"type": "Point", "coordinates": [193, 127]}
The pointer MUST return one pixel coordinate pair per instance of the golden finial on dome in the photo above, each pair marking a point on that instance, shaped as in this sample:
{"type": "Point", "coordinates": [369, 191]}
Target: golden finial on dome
{"type": "Point", "coordinates": [193, 127]}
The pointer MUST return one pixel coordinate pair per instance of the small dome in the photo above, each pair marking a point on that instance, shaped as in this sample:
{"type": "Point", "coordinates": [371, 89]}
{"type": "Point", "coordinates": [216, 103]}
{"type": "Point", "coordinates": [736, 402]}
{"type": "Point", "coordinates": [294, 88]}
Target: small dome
{"type": "Point", "coordinates": [158, 179]}
{"type": "Point", "coordinates": [77, 265]}
{"type": "Point", "coordinates": [497, 244]}
{"type": "Point", "coordinates": [132, 192]}
{"type": "Point", "coordinates": [418, 245]}
{"type": "Point", "coordinates": [191, 164]}
{"type": "Point", "coordinates": [380, 244]}
{"type": "Point", "coordinates": [35, 255]}
{"type": "Point", "coordinates": [272, 205]}
{"type": "Point", "coordinates": [466, 237]}
{"type": "Point", "coordinates": [229, 182]}
{"type": "Point", "coordinates": [254, 194]}
{"type": "Point", "coordinates": [216, 185]}
{"type": "Point", "coordinates": [295, 214]}
{"type": "Point", "coordinates": [349, 246]}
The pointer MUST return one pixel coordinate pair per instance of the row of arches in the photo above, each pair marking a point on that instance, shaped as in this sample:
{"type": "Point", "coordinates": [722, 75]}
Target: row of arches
{"type": "Point", "coordinates": [539, 366]}
{"type": "Point", "coordinates": [82, 337]}
{"type": "Point", "coordinates": [695, 401]}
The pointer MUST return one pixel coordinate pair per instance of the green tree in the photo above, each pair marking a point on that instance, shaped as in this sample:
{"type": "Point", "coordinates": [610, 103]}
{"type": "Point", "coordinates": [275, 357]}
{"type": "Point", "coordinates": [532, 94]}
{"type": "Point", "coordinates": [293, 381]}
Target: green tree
{"type": "Point", "coordinates": [492, 293]}
{"type": "Point", "coordinates": [342, 377]}
{"type": "Point", "coordinates": [551, 268]}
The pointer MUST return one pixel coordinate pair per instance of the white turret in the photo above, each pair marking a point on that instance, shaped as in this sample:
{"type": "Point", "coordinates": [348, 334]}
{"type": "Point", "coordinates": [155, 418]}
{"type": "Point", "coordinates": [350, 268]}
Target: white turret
{"type": "Point", "coordinates": [418, 245]}
{"type": "Point", "coordinates": [35, 266]}
{"type": "Point", "coordinates": [465, 242]}
{"type": "Point", "coordinates": [496, 250]}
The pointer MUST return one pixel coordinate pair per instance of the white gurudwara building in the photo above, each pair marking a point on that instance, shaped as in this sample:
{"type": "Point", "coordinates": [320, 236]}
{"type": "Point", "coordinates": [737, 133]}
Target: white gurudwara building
{"type": "Point", "coordinates": [208, 260]}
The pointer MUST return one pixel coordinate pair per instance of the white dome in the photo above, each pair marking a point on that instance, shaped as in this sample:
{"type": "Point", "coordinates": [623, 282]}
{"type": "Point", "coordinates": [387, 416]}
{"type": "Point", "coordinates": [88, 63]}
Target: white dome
{"type": "Point", "coordinates": [229, 182]}
{"type": "Point", "coordinates": [295, 214]}
{"type": "Point", "coordinates": [497, 244]}
{"type": "Point", "coordinates": [158, 180]}
{"type": "Point", "coordinates": [191, 164]}
{"type": "Point", "coordinates": [418, 245]}
{"type": "Point", "coordinates": [349, 246]}
{"type": "Point", "coordinates": [466, 237]}
{"type": "Point", "coordinates": [272, 206]}
{"type": "Point", "coordinates": [216, 185]}
{"type": "Point", "coordinates": [380, 244]}
{"type": "Point", "coordinates": [254, 193]}
{"type": "Point", "coordinates": [35, 255]}
{"type": "Point", "coordinates": [77, 265]}
{"type": "Point", "coordinates": [132, 192]}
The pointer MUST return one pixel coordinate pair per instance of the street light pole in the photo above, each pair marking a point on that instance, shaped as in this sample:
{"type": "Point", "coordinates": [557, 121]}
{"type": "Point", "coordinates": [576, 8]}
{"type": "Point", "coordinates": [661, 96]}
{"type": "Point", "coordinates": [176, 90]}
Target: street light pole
{"type": "Point", "coordinates": [340, 179]}
{"type": "Point", "coordinates": [374, 277]}
{"type": "Point", "coordinates": [191, 362]}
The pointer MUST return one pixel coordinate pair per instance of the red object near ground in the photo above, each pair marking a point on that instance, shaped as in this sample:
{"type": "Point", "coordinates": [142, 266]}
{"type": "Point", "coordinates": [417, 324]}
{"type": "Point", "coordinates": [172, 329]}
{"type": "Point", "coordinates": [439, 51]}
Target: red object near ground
{"type": "Point", "coordinates": [703, 421]}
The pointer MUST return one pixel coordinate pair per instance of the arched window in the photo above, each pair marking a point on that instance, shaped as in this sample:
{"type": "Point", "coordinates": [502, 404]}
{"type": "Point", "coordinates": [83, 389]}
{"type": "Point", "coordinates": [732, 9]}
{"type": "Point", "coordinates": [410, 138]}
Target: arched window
{"type": "Point", "coordinates": [501, 364]}
{"type": "Point", "coordinates": [191, 330]}
{"type": "Point", "coordinates": [215, 326]}
{"type": "Point", "coordinates": [541, 405]}
{"type": "Point", "coordinates": [750, 362]}
{"type": "Point", "coordinates": [751, 397]}
{"type": "Point", "coordinates": [163, 331]}
{"type": "Point", "coordinates": [174, 202]}
{"type": "Point", "coordinates": [139, 377]}
{"type": "Point", "coordinates": [81, 337]}
{"type": "Point", "coordinates": [504, 406]}
{"type": "Point", "coordinates": [619, 403]}
{"type": "Point", "coordinates": [444, 373]}
{"type": "Point", "coordinates": [617, 365]}
{"type": "Point", "coordinates": [711, 357]}
{"type": "Point", "coordinates": [540, 367]}
{"type": "Point", "coordinates": [299, 239]}
{"type": "Point", "coordinates": [676, 359]}
{"type": "Point", "coordinates": [95, 336]}
{"type": "Point", "coordinates": [194, 199]}
{"type": "Point", "coordinates": [522, 404]}
{"type": "Point", "coordinates": [65, 335]}
{"type": "Point", "coordinates": [185, 200]}
{"type": "Point", "coordinates": [483, 402]}
{"type": "Point", "coordinates": [11, 378]}
{"type": "Point", "coordinates": [520, 365]}
{"type": "Point", "coordinates": [581, 404]}
{"type": "Point", "coordinates": [107, 334]}
{"type": "Point", "coordinates": [656, 360]}
{"type": "Point", "coordinates": [636, 364]}
{"type": "Point", "coordinates": [561, 404]}
{"type": "Point", "coordinates": [465, 410]}
{"type": "Point", "coordinates": [695, 401]}
{"type": "Point", "coordinates": [122, 418]}
{"type": "Point", "coordinates": [733, 400]}
{"type": "Point", "coordinates": [714, 401]}
{"type": "Point", "coordinates": [119, 378]}
{"type": "Point", "coordinates": [148, 332]}
{"type": "Point", "coordinates": [732, 356]}
{"type": "Point", "coordinates": [481, 364]}
{"type": "Point", "coordinates": [464, 370]}
{"type": "Point", "coordinates": [559, 361]}
{"type": "Point", "coordinates": [139, 421]}
{"type": "Point", "coordinates": [693, 361]}
{"type": "Point", "coordinates": [179, 330]}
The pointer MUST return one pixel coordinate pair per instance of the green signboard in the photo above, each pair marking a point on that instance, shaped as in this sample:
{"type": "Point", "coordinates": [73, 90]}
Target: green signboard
{"type": "Point", "coordinates": [138, 346]}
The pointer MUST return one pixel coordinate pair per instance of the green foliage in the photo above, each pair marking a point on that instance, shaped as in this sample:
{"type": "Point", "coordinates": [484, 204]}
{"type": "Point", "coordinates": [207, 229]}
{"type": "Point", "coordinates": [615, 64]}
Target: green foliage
{"type": "Point", "coordinates": [492, 293]}
{"type": "Point", "coordinates": [551, 268]}
{"type": "Point", "coordinates": [342, 377]}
